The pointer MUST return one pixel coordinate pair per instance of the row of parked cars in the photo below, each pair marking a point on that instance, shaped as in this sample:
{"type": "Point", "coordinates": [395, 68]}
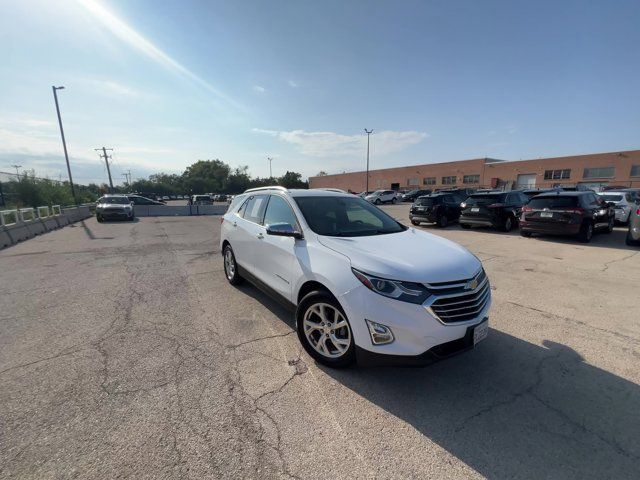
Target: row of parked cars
{"type": "Point", "coordinates": [553, 212]}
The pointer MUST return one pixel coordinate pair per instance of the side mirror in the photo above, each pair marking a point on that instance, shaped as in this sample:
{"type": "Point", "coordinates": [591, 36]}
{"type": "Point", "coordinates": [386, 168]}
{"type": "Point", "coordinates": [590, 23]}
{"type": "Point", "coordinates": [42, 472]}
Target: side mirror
{"type": "Point", "coordinates": [283, 230]}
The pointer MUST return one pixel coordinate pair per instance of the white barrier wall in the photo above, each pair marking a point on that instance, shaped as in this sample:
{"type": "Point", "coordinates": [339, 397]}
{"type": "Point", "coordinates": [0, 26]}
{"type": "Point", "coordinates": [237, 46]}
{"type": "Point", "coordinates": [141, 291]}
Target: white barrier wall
{"type": "Point", "coordinates": [178, 210]}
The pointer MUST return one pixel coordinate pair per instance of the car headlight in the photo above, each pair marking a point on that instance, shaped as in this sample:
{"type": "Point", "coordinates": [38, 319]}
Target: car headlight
{"type": "Point", "coordinates": [403, 291]}
{"type": "Point", "coordinates": [99, 206]}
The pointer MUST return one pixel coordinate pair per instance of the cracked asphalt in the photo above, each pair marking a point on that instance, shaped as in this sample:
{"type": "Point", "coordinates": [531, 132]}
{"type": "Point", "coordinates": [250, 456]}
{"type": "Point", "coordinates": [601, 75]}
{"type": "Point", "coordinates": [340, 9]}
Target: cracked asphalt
{"type": "Point", "coordinates": [124, 353]}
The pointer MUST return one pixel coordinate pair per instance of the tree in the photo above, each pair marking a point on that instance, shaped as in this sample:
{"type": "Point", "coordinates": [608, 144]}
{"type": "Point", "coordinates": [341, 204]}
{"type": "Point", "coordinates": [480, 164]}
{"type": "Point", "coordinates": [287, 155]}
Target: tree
{"type": "Point", "coordinates": [321, 173]}
{"type": "Point", "coordinates": [292, 180]}
{"type": "Point", "coordinates": [206, 176]}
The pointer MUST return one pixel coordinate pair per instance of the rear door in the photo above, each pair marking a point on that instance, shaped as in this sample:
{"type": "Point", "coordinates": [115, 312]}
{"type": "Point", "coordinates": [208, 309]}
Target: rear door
{"type": "Point", "coordinates": [247, 229]}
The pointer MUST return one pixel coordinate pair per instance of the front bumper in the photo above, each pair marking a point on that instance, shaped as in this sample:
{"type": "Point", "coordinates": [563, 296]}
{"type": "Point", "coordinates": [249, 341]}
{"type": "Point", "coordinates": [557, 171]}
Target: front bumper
{"type": "Point", "coordinates": [418, 334]}
{"type": "Point", "coordinates": [115, 215]}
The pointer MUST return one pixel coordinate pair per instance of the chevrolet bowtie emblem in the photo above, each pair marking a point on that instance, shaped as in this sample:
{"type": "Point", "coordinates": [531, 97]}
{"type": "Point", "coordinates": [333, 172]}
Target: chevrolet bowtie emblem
{"type": "Point", "coordinates": [471, 285]}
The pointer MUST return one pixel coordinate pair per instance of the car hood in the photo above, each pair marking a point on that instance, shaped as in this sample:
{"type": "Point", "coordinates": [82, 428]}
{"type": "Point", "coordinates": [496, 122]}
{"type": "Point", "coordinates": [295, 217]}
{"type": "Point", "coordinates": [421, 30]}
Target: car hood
{"type": "Point", "coordinates": [412, 256]}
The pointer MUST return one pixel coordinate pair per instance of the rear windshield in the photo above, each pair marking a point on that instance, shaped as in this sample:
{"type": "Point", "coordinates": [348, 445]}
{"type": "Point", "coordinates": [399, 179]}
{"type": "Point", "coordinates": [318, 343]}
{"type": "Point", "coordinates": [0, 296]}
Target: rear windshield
{"type": "Point", "coordinates": [557, 201]}
{"type": "Point", "coordinates": [485, 199]}
{"type": "Point", "coordinates": [428, 201]}
{"type": "Point", "coordinates": [611, 198]}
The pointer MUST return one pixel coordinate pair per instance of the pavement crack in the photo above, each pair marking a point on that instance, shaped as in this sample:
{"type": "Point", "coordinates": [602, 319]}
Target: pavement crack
{"type": "Point", "coordinates": [626, 257]}
{"type": "Point", "coordinates": [279, 335]}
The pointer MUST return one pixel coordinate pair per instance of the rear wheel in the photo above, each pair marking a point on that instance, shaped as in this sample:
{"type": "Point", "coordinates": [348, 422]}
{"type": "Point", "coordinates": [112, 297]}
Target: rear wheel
{"type": "Point", "coordinates": [99, 218]}
{"type": "Point", "coordinates": [508, 224]}
{"type": "Point", "coordinates": [586, 232]}
{"type": "Point", "coordinates": [466, 226]}
{"type": "Point", "coordinates": [377, 202]}
{"type": "Point", "coordinates": [630, 241]}
{"type": "Point", "coordinates": [394, 200]}
{"type": "Point", "coordinates": [230, 266]}
{"type": "Point", "coordinates": [324, 331]}
{"type": "Point", "coordinates": [414, 222]}
{"type": "Point", "coordinates": [610, 225]}
{"type": "Point", "coordinates": [443, 221]}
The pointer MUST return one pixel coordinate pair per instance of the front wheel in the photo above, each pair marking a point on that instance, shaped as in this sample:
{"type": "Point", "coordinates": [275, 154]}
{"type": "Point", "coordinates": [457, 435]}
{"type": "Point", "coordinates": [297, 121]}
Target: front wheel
{"type": "Point", "coordinates": [230, 266]}
{"type": "Point", "coordinates": [415, 223]}
{"type": "Point", "coordinates": [610, 225]}
{"type": "Point", "coordinates": [324, 331]}
{"type": "Point", "coordinates": [443, 221]}
{"type": "Point", "coordinates": [377, 202]}
{"type": "Point", "coordinates": [630, 241]}
{"type": "Point", "coordinates": [586, 232]}
{"type": "Point", "coordinates": [394, 200]}
{"type": "Point", "coordinates": [99, 218]}
{"type": "Point", "coordinates": [508, 224]}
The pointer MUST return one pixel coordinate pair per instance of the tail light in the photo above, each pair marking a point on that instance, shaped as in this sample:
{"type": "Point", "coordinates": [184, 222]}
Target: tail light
{"type": "Point", "coordinates": [495, 205]}
{"type": "Point", "coordinates": [527, 209]}
{"type": "Point", "coordinates": [579, 211]}
{"type": "Point", "coordinates": [638, 211]}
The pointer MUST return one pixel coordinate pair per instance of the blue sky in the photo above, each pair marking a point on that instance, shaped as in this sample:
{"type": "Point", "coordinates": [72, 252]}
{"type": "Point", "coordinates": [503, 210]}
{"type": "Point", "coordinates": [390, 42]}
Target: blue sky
{"type": "Point", "coordinates": [166, 83]}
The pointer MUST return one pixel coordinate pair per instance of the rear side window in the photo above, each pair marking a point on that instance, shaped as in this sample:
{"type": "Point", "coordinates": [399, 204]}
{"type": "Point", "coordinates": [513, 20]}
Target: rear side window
{"type": "Point", "coordinates": [253, 210]}
{"type": "Point", "coordinates": [556, 201]}
{"type": "Point", "coordinates": [279, 211]}
{"type": "Point", "coordinates": [485, 199]}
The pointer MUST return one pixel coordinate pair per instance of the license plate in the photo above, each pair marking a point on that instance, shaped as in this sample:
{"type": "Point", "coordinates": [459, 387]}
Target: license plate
{"type": "Point", "coordinates": [546, 214]}
{"type": "Point", "coordinates": [475, 209]}
{"type": "Point", "coordinates": [480, 332]}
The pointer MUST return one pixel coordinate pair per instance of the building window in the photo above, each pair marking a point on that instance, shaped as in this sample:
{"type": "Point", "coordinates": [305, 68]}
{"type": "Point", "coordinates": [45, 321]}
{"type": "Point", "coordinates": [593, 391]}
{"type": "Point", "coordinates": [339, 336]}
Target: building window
{"type": "Point", "coordinates": [599, 172]}
{"type": "Point", "coordinates": [429, 181]}
{"type": "Point", "coordinates": [471, 179]}
{"type": "Point", "coordinates": [557, 174]}
{"type": "Point", "coordinates": [635, 170]}
{"type": "Point", "coordinates": [449, 180]}
{"type": "Point", "coordinates": [413, 182]}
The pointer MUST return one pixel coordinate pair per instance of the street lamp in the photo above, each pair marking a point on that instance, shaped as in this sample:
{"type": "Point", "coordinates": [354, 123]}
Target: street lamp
{"type": "Point", "coordinates": [64, 143]}
{"type": "Point", "coordinates": [368, 132]}
{"type": "Point", "coordinates": [270, 160]}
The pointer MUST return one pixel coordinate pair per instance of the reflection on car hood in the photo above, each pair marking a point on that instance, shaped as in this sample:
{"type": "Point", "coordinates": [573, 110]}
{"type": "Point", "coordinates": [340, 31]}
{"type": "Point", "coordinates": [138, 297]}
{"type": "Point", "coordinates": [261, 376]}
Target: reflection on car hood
{"type": "Point", "coordinates": [412, 256]}
{"type": "Point", "coordinates": [114, 205]}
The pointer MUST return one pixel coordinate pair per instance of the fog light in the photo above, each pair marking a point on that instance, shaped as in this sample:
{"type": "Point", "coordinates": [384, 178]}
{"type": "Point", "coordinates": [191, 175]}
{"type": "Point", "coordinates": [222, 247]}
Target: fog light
{"type": "Point", "coordinates": [380, 334]}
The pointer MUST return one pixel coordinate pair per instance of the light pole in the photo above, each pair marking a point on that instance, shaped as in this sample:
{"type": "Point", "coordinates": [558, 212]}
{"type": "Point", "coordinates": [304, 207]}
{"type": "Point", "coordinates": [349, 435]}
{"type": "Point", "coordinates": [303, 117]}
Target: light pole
{"type": "Point", "coordinates": [270, 160]}
{"type": "Point", "coordinates": [17, 171]}
{"type": "Point", "coordinates": [64, 143]}
{"type": "Point", "coordinates": [368, 132]}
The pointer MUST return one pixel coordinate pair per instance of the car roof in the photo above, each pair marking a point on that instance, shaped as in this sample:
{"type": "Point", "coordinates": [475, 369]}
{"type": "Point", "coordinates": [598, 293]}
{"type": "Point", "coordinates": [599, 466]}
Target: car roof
{"type": "Point", "coordinates": [564, 193]}
{"type": "Point", "coordinates": [484, 194]}
{"type": "Point", "coordinates": [613, 192]}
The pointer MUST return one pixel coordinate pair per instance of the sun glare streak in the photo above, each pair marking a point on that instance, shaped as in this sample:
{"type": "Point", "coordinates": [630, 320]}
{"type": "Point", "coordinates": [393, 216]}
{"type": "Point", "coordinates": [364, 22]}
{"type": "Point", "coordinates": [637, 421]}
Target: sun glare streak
{"type": "Point", "coordinates": [130, 36]}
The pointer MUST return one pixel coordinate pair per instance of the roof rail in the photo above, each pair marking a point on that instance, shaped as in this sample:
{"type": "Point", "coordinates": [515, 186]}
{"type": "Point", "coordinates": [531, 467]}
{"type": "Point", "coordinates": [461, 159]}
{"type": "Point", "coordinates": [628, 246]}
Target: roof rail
{"type": "Point", "coordinates": [274, 187]}
{"type": "Point", "coordinates": [329, 189]}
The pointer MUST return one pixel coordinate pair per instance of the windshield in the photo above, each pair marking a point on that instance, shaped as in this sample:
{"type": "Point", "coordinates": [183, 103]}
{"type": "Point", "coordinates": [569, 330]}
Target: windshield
{"type": "Point", "coordinates": [118, 200]}
{"type": "Point", "coordinates": [611, 198]}
{"type": "Point", "coordinates": [426, 201]}
{"type": "Point", "coordinates": [485, 199]}
{"type": "Point", "coordinates": [346, 217]}
{"type": "Point", "coordinates": [557, 201]}
{"type": "Point", "coordinates": [378, 192]}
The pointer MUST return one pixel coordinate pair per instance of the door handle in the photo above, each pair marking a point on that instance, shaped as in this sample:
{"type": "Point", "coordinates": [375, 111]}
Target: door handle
{"type": "Point", "coordinates": [260, 236]}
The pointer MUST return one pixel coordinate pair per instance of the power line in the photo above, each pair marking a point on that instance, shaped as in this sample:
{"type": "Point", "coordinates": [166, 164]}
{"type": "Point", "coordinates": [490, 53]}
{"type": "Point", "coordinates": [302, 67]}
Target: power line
{"type": "Point", "coordinates": [106, 161]}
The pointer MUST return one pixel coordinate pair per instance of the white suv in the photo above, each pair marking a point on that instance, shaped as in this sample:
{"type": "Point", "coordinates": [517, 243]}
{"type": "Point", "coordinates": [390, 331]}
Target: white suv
{"type": "Point", "coordinates": [382, 196]}
{"type": "Point", "coordinates": [364, 286]}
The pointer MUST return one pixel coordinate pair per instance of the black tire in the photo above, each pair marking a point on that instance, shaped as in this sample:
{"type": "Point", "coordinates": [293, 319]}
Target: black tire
{"type": "Point", "coordinates": [630, 241]}
{"type": "Point", "coordinates": [99, 218]}
{"type": "Point", "coordinates": [586, 232]}
{"type": "Point", "coordinates": [415, 223]}
{"type": "Point", "coordinates": [309, 300]}
{"type": "Point", "coordinates": [377, 201]}
{"type": "Point", "coordinates": [443, 221]}
{"type": "Point", "coordinates": [525, 234]}
{"type": "Point", "coordinates": [610, 225]}
{"type": "Point", "coordinates": [394, 200]}
{"type": "Point", "coordinates": [233, 277]}
{"type": "Point", "coordinates": [466, 226]}
{"type": "Point", "coordinates": [508, 223]}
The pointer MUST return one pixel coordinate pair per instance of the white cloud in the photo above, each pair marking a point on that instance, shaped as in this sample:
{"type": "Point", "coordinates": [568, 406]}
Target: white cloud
{"type": "Point", "coordinates": [259, 89]}
{"type": "Point", "coordinates": [113, 88]}
{"type": "Point", "coordinates": [329, 144]}
{"type": "Point", "coordinates": [130, 36]}
{"type": "Point", "coordinates": [293, 84]}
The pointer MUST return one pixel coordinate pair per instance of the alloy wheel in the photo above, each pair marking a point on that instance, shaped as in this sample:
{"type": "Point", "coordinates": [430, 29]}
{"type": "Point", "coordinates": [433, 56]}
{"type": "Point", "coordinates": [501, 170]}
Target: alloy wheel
{"type": "Point", "coordinates": [327, 330]}
{"type": "Point", "coordinates": [229, 264]}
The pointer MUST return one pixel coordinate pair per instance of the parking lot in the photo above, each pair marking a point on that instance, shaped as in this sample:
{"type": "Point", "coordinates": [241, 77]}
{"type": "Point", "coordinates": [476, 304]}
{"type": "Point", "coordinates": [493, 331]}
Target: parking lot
{"type": "Point", "coordinates": [124, 352]}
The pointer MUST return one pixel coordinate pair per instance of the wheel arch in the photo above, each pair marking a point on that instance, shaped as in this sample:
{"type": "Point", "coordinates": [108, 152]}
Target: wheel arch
{"type": "Point", "coordinates": [310, 286]}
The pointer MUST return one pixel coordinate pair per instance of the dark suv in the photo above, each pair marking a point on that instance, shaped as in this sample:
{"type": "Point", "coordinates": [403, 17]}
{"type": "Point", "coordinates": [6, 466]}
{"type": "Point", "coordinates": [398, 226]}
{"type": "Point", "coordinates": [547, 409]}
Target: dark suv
{"type": "Point", "coordinates": [413, 194]}
{"type": "Point", "coordinates": [439, 208]}
{"type": "Point", "coordinates": [499, 210]}
{"type": "Point", "coordinates": [567, 213]}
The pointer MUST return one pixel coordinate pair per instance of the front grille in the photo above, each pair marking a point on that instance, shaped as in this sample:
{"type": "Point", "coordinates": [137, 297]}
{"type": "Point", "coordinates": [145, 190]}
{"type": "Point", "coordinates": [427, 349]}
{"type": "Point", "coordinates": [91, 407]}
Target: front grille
{"type": "Point", "coordinates": [114, 210]}
{"type": "Point", "coordinates": [463, 306]}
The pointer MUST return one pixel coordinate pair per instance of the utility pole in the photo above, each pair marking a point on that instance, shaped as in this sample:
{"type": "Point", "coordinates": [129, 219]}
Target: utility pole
{"type": "Point", "coordinates": [368, 132]}
{"type": "Point", "coordinates": [106, 160]}
{"type": "Point", "coordinates": [64, 143]}
{"type": "Point", "coordinates": [127, 177]}
{"type": "Point", "coordinates": [17, 167]}
{"type": "Point", "coordinates": [270, 160]}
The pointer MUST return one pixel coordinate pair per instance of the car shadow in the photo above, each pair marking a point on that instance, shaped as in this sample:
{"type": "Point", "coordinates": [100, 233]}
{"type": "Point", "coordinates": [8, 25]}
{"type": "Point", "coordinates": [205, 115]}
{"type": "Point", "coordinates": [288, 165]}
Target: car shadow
{"type": "Point", "coordinates": [509, 408]}
{"type": "Point", "coordinates": [615, 239]}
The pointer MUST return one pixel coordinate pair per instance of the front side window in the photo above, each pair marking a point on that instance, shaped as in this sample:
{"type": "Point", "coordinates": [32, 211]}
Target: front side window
{"type": "Point", "coordinates": [346, 217]}
{"type": "Point", "coordinates": [279, 211]}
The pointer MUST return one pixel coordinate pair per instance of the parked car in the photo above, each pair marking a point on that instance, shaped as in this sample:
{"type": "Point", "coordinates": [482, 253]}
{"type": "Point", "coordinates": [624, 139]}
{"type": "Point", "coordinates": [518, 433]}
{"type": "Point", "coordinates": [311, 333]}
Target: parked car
{"type": "Point", "coordinates": [497, 210]}
{"type": "Point", "coordinates": [623, 204]}
{"type": "Point", "coordinates": [221, 198]}
{"type": "Point", "coordinates": [201, 200]}
{"type": "Point", "coordinates": [140, 200]}
{"type": "Point", "coordinates": [462, 192]}
{"type": "Point", "coordinates": [111, 207]}
{"type": "Point", "coordinates": [439, 208]}
{"type": "Point", "coordinates": [365, 287]}
{"type": "Point", "coordinates": [382, 196]}
{"type": "Point", "coordinates": [635, 194]}
{"type": "Point", "coordinates": [364, 194]}
{"type": "Point", "coordinates": [411, 195]}
{"type": "Point", "coordinates": [532, 192]}
{"type": "Point", "coordinates": [577, 213]}
{"type": "Point", "coordinates": [165, 198]}
{"type": "Point", "coordinates": [633, 235]}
